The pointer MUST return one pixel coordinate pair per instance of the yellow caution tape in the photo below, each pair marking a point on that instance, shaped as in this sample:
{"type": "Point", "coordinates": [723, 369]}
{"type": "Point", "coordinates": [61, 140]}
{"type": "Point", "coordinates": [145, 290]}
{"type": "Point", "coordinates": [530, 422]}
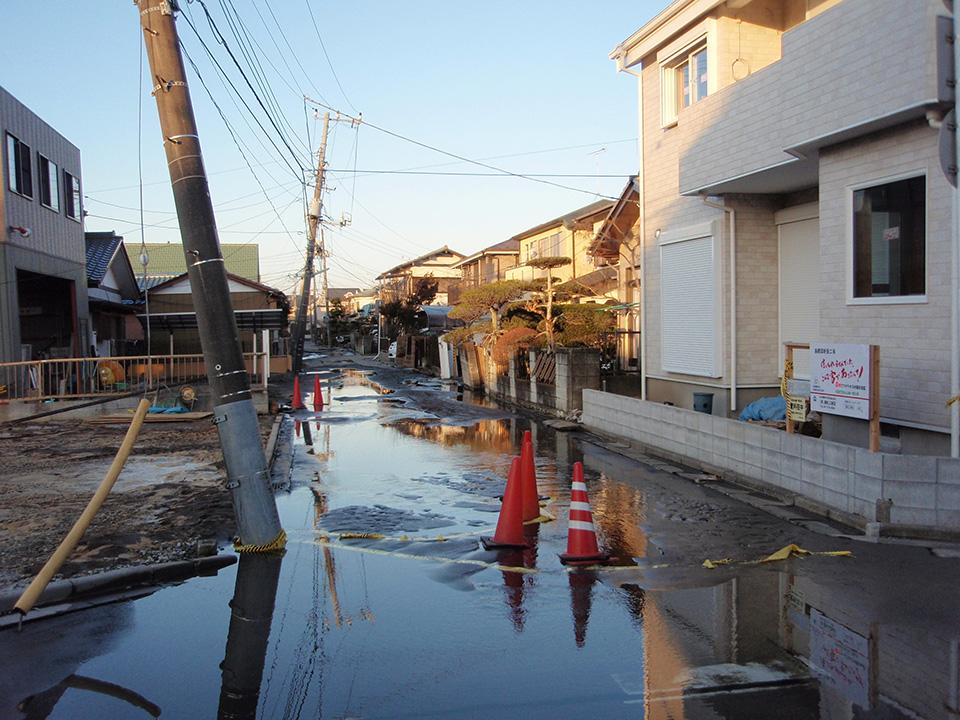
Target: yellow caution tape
{"type": "Point", "coordinates": [711, 564]}
{"type": "Point", "coordinates": [784, 553]}
{"type": "Point", "coordinates": [542, 518]}
{"type": "Point", "coordinates": [359, 535]}
{"type": "Point", "coordinates": [275, 545]}
{"type": "Point", "coordinates": [951, 401]}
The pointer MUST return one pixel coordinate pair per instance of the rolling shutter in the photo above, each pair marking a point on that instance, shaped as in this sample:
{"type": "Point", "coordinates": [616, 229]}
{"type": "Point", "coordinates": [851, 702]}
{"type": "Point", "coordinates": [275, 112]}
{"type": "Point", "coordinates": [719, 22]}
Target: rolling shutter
{"type": "Point", "coordinates": [690, 302]}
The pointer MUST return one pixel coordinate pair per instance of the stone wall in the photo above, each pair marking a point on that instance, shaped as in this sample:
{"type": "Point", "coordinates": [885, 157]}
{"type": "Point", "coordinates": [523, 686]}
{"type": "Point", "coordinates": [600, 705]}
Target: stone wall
{"type": "Point", "coordinates": [842, 481]}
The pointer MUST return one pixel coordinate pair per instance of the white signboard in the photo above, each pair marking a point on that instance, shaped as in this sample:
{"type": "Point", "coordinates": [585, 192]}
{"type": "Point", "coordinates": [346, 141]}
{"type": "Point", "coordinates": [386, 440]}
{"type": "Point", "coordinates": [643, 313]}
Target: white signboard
{"type": "Point", "coordinates": [841, 658]}
{"type": "Point", "coordinates": [840, 379]}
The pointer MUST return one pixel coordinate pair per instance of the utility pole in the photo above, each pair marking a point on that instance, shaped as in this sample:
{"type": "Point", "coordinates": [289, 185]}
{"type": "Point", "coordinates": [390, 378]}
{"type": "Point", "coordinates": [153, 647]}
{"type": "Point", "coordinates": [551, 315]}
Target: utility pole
{"type": "Point", "coordinates": [313, 220]}
{"type": "Point", "coordinates": [234, 414]}
{"type": "Point", "coordinates": [326, 287]}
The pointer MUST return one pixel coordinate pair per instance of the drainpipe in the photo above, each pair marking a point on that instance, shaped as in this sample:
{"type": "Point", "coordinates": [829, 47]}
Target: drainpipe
{"type": "Point", "coordinates": [733, 296]}
{"type": "Point", "coordinates": [955, 286]}
{"type": "Point", "coordinates": [641, 215]}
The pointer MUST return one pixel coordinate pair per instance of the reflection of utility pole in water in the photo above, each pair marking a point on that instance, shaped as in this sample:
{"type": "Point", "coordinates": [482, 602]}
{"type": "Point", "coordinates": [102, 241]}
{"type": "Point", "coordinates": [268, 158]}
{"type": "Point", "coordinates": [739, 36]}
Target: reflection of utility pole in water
{"type": "Point", "coordinates": [251, 612]}
{"type": "Point", "coordinates": [331, 570]}
{"type": "Point", "coordinates": [234, 414]}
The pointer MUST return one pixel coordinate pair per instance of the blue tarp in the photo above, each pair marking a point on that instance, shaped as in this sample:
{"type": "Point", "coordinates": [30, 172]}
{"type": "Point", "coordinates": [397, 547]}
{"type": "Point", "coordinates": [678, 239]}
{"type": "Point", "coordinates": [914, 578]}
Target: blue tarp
{"type": "Point", "coordinates": [768, 408]}
{"type": "Point", "coordinates": [176, 410]}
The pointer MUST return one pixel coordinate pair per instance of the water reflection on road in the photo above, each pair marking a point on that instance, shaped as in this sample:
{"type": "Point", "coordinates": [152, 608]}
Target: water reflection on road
{"type": "Point", "coordinates": [385, 606]}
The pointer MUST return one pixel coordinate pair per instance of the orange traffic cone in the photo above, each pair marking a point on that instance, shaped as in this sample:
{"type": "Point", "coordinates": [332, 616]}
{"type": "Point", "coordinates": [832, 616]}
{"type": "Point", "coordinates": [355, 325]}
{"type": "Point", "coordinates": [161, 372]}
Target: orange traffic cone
{"type": "Point", "coordinates": [582, 546]}
{"type": "Point", "coordinates": [297, 402]}
{"type": "Point", "coordinates": [317, 394]}
{"type": "Point", "coordinates": [509, 532]}
{"type": "Point", "coordinates": [528, 474]}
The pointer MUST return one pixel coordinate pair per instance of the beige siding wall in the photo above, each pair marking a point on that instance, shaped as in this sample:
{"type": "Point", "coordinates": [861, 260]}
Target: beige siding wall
{"type": "Point", "coordinates": [831, 77]}
{"type": "Point", "coordinates": [750, 37]}
{"type": "Point", "coordinates": [914, 339]}
{"type": "Point", "coordinates": [757, 290]}
{"type": "Point", "coordinates": [665, 210]}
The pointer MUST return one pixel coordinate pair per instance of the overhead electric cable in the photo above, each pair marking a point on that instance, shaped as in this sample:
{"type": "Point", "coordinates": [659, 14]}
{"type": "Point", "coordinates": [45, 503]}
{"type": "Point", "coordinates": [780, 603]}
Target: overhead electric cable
{"type": "Point", "coordinates": [327, 56]}
{"type": "Point", "coordinates": [462, 158]}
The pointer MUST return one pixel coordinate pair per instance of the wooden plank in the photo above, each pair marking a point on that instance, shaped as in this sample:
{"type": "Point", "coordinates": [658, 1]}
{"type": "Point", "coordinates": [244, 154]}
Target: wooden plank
{"type": "Point", "coordinates": [151, 418]}
{"type": "Point", "coordinates": [874, 398]}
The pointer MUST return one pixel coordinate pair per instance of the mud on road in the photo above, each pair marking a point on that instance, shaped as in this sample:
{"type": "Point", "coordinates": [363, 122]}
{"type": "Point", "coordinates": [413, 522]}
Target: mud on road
{"type": "Point", "coordinates": [169, 496]}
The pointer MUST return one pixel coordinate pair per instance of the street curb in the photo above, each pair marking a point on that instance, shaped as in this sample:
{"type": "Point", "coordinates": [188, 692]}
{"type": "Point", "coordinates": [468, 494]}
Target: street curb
{"type": "Point", "coordinates": [112, 581]}
{"type": "Point", "coordinates": [271, 450]}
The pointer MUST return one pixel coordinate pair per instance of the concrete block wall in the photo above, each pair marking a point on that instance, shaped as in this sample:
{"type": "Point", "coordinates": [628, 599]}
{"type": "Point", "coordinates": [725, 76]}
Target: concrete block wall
{"type": "Point", "coordinates": [576, 369]}
{"type": "Point", "coordinates": [839, 479]}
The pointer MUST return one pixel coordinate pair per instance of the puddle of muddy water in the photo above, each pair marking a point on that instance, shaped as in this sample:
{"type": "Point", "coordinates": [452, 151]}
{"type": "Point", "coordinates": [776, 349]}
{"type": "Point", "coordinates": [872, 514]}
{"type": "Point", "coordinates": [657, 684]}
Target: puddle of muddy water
{"type": "Point", "coordinates": [400, 625]}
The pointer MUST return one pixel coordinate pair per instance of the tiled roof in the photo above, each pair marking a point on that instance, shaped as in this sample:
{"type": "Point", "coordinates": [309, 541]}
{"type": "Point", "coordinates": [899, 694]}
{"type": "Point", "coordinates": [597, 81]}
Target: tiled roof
{"type": "Point", "coordinates": [100, 250]}
{"type": "Point", "coordinates": [445, 250]}
{"type": "Point", "coordinates": [578, 214]}
{"type": "Point", "coordinates": [167, 261]}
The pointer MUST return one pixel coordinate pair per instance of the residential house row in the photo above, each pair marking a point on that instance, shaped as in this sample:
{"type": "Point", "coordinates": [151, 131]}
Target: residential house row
{"type": "Point", "coordinates": [66, 293]}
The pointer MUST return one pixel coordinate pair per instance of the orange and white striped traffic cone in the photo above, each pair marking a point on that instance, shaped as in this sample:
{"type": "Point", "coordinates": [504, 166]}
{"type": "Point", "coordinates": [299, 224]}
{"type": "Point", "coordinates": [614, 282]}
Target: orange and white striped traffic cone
{"type": "Point", "coordinates": [582, 548]}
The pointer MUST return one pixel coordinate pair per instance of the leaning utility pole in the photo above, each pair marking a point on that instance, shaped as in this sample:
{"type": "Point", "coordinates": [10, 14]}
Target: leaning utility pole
{"type": "Point", "coordinates": [313, 220]}
{"type": "Point", "coordinates": [326, 287]}
{"type": "Point", "coordinates": [234, 414]}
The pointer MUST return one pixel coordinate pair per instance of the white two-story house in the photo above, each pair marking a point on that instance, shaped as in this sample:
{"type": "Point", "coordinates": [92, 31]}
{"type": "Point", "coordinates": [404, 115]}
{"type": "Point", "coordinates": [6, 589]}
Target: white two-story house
{"type": "Point", "coordinates": [790, 188]}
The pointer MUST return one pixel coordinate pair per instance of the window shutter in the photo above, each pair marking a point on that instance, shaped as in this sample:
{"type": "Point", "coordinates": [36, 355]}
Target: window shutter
{"type": "Point", "coordinates": [690, 302]}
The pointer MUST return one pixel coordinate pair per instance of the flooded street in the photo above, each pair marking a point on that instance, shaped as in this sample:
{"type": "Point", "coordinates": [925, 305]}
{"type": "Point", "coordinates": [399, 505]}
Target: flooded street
{"type": "Point", "coordinates": [385, 605]}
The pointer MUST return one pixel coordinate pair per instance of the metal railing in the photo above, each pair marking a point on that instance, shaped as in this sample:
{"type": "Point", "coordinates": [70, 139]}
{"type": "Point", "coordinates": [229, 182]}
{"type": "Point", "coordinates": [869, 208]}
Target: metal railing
{"type": "Point", "coordinates": [73, 378]}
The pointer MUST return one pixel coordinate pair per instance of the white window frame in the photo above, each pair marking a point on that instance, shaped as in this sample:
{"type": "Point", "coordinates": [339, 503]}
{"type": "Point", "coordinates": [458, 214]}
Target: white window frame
{"type": "Point", "coordinates": [709, 230]}
{"type": "Point", "coordinates": [13, 183]}
{"type": "Point", "coordinates": [52, 185]}
{"type": "Point", "coordinates": [76, 199]}
{"type": "Point", "coordinates": [874, 182]}
{"type": "Point", "coordinates": [671, 59]}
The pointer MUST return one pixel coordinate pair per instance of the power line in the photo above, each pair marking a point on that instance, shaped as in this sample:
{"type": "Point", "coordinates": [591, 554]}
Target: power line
{"type": "Point", "coordinates": [249, 51]}
{"type": "Point", "coordinates": [220, 205]}
{"type": "Point", "coordinates": [327, 56]}
{"type": "Point", "coordinates": [283, 35]}
{"type": "Point", "coordinates": [236, 142]}
{"type": "Point", "coordinates": [525, 176]}
{"type": "Point", "coordinates": [462, 158]}
{"type": "Point", "coordinates": [174, 227]}
{"type": "Point", "coordinates": [221, 40]}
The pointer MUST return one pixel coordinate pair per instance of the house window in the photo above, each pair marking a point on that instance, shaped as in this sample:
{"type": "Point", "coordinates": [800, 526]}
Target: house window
{"type": "Point", "coordinates": [685, 81]}
{"type": "Point", "coordinates": [49, 183]}
{"type": "Point", "coordinates": [71, 196]}
{"type": "Point", "coordinates": [889, 239]}
{"type": "Point", "coordinates": [19, 174]}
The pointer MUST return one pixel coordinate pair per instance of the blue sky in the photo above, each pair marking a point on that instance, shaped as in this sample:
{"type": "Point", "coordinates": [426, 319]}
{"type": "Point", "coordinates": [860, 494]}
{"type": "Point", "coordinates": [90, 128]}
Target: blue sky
{"type": "Point", "coordinates": [483, 80]}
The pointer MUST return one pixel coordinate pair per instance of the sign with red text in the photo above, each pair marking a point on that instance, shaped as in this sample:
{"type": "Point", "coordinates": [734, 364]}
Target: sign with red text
{"type": "Point", "coordinates": [840, 379]}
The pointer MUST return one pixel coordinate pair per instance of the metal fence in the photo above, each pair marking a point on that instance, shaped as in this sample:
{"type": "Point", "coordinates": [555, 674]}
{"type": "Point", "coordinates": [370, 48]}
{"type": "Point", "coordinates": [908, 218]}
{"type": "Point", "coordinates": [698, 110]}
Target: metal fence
{"type": "Point", "coordinates": [71, 378]}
